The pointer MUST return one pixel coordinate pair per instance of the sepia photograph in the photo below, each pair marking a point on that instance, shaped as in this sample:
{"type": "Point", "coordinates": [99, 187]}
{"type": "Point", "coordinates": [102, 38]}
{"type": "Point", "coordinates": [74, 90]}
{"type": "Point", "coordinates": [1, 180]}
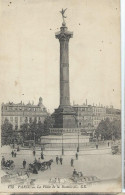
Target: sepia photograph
{"type": "Point", "coordinates": [60, 84]}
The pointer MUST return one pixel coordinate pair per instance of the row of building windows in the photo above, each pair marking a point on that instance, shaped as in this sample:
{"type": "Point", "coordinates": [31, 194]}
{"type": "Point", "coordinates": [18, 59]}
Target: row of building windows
{"type": "Point", "coordinates": [21, 119]}
{"type": "Point", "coordinates": [82, 109]}
{"type": "Point", "coordinates": [99, 110]}
{"type": "Point", "coordinates": [90, 109]}
{"type": "Point", "coordinates": [22, 109]}
{"type": "Point", "coordinates": [93, 118]}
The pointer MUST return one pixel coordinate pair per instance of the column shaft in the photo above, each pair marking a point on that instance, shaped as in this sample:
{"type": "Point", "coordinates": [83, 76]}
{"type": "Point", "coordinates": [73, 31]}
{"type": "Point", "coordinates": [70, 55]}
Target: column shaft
{"type": "Point", "coordinates": [64, 73]}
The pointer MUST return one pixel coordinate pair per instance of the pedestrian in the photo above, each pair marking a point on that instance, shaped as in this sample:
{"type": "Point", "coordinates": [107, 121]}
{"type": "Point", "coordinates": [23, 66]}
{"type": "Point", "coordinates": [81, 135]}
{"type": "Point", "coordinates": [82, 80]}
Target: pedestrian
{"type": "Point", "coordinates": [15, 154]}
{"type": "Point", "coordinates": [24, 164]}
{"type": "Point", "coordinates": [18, 149]}
{"type": "Point", "coordinates": [57, 159]}
{"type": "Point", "coordinates": [61, 159]}
{"type": "Point", "coordinates": [34, 152]}
{"type": "Point", "coordinates": [74, 172]}
{"type": "Point", "coordinates": [76, 156]}
{"type": "Point", "coordinates": [49, 164]}
{"type": "Point", "coordinates": [42, 156]}
{"type": "Point", "coordinates": [96, 146]}
{"type": "Point", "coordinates": [72, 161]}
{"type": "Point", "coordinates": [12, 153]}
{"type": "Point", "coordinates": [108, 144]}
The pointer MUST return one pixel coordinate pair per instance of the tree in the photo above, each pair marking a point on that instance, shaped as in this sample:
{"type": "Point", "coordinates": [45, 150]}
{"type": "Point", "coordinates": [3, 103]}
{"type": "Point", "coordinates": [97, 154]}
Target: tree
{"type": "Point", "coordinates": [32, 130]}
{"type": "Point", "coordinates": [116, 129]}
{"type": "Point", "coordinates": [7, 131]}
{"type": "Point", "coordinates": [24, 131]}
{"type": "Point", "coordinates": [40, 130]}
{"type": "Point", "coordinates": [48, 123]}
{"type": "Point", "coordinates": [108, 129]}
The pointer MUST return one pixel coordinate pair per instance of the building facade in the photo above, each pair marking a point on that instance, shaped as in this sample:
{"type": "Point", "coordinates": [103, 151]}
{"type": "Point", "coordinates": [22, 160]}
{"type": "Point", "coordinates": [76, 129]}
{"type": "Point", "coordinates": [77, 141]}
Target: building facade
{"type": "Point", "coordinates": [18, 114]}
{"type": "Point", "coordinates": [89, 116]}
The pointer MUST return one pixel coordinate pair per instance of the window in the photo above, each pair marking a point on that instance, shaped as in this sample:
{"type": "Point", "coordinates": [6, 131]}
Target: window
{"type": "Point", "coordinates": [16, 119]}
{"type": "Point", "coordinates": [21, 119]}
{"type": "Point", "coordinates": [26, 119]}
{"type": "Point", "coordinates": [11, 119]}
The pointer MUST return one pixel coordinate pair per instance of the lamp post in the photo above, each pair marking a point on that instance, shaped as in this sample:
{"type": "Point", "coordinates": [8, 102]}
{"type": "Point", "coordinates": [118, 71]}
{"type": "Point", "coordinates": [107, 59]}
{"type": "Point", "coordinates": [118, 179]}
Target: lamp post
{"type": "Point", "coordinates": [78, 143]}
{"type": "Point", "coordinates": [62, 145]}
{"type": "Point", "coordinates": [77, 121]}
{"type": "Point", "coordinates": [34, 139]}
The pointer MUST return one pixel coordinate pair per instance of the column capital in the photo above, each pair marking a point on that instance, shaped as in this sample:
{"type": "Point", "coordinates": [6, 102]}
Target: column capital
{"type": "Point", "coordinates": [64, 34]}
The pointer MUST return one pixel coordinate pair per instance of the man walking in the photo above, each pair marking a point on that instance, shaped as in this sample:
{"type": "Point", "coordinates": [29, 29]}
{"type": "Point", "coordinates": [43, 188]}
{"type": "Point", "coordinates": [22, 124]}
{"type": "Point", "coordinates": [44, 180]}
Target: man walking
{"type": "Point", "coordinates": [12, 153]}
{"type": "Point", "coordinates": [57, 159]}
{"type": "Point", "coordinates": [61, 159]}
{"type": "Point", "coordinates": [74, 172]}
{"type": "Point", "coordinates": [76, 156]}
{"type": "Point", "coordinates": [42, 156]}
{"type": "Point", "coordinates": [96, 146]}
{"type": "Point", "coordinates": [18, 149]}
{"type": "Point", "coordinates": [24, 164]}
{"type": "Point", "coordinates": [72, 161]}
{"type": "Point", "coordinates": [34, 152]}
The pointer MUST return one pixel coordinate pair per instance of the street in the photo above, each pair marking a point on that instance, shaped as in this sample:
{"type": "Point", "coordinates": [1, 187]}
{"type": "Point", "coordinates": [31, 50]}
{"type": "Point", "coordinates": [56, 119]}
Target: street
{"type": "Point", "coordinates": [100, 165]}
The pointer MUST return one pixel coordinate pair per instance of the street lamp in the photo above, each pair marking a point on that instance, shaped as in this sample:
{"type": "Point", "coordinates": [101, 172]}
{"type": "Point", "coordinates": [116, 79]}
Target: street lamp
{"type": "Point", "coordinates": [78, 143]}
{"type": "Point", "coordinates": [62, 145]}
{"type": "Point", "coordinates": [34, 139]}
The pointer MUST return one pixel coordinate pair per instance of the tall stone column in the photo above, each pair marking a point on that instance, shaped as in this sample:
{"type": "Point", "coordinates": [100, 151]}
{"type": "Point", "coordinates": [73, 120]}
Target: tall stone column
{"type": "Point", "coordinates": [64, 35]}
{"type": "Point", "coordinates": [64, 115]}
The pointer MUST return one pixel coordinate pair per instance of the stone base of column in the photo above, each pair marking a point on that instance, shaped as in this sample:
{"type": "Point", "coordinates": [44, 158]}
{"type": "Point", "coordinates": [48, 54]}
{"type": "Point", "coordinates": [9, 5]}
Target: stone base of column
{"type": "Point", "coordinates": [65, 117]}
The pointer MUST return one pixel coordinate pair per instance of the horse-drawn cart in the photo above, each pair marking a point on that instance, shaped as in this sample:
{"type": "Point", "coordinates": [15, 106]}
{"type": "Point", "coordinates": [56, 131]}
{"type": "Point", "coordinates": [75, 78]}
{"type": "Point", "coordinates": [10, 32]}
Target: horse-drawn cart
{"type": "Point", "coordinates": [36, 166]}
{"type": "Point", "coordinates": [9, 164]}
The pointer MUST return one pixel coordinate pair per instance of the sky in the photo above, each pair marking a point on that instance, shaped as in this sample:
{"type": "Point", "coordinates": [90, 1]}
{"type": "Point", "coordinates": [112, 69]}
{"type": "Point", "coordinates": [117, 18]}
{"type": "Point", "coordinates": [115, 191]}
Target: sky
{"type": "Point", "coordinates": [29, 51]}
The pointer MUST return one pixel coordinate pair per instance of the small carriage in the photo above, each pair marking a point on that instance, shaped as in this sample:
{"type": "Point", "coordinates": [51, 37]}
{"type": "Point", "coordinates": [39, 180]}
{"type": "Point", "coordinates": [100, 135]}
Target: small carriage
{"type": "Point", "coordinates": [115, 149]}
{"type": "Point", "coordinates": [9, 164]}
{"type": "Point", "coordinates": [36, 166]}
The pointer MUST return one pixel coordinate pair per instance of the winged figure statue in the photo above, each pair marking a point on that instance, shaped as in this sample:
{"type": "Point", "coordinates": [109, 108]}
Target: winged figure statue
{"type": "Point", "coordinates": [63, 12]}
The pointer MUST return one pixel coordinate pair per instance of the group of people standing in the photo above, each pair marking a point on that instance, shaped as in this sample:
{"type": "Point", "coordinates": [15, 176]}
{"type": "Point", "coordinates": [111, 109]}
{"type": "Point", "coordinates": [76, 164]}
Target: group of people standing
{"type": "Point", "coordinates": [13, 153]}
{"type": "Point", "coordinates": [42, 155]}
{"type": "Point", "coordinates": [72, 160]}
{"type": "Point", "coordinates": [59, 160]}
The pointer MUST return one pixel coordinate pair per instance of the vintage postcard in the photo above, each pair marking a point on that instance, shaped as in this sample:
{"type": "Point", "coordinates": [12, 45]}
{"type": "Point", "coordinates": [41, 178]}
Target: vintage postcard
{"type": "Point", "coordinates": [60, 96]}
